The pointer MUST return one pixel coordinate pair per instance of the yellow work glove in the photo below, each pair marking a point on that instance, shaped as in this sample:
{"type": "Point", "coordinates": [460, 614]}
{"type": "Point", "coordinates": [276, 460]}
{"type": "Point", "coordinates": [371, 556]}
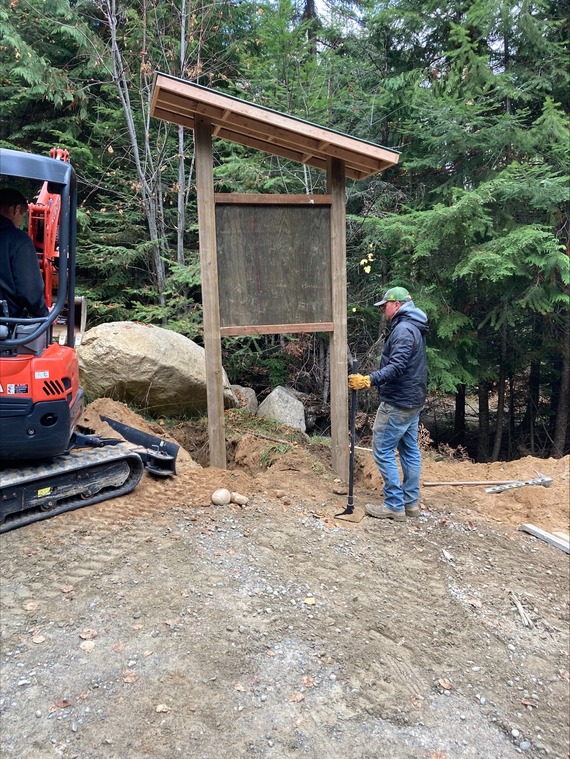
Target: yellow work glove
{"type": "Point", "coordinates": [358, 381]}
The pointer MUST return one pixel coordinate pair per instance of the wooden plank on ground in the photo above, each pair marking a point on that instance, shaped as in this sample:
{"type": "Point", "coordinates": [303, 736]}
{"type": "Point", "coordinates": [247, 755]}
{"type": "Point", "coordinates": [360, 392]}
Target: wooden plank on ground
{"type": "Point", "coordinates": [547, 536]}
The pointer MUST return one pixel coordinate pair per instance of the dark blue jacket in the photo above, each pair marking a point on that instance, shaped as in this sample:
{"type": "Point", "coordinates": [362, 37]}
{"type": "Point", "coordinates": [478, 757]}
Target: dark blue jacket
{"type": "Point", "coordinates": [21, 283]}
{"type": "Point", "coordinates": [402, 377]}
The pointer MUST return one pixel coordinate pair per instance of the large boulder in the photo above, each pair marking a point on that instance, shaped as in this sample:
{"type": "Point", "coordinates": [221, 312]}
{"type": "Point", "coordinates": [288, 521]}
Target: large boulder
{"type": "Point", "coordinates": [158, 370]}
{"type": "Point", "coordinates": [282, 406]}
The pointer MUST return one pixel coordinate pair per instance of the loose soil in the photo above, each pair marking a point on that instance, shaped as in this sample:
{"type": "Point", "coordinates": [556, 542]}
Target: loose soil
{"type": "Point", "coordinates": [159, 625]}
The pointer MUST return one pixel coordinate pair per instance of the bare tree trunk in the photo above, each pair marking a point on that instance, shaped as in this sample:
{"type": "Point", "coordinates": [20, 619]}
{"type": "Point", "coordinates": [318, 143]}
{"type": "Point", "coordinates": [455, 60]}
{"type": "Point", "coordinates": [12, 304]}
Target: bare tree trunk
{"type": "Point", "coordinates": [483, 437]}
{"type": "Point", "coordinates": [511, 417]}
{"type": "Point", "coordinates": [459, 418]}
{"type": "Point", "coordinates": [181, 199]}
{"type": "Point", "coordinates": [181, 189]}
{"type": "Point", "coordinates": [501, 395]}
{"type": "Point", "coordinates": [526, 429]}
{"type": "Point", "coordinates": [561, 424]}
{"type": "Point", "coordinates": [307, 180]}
{"type": "Point", "coordinates": [148, 175]}
{"type": "Point", "coordinates": [310, 14]}
{"type": "Point", "coordinates": [532, 403]}
{"type": "Point", "coordinates": [326, 376]}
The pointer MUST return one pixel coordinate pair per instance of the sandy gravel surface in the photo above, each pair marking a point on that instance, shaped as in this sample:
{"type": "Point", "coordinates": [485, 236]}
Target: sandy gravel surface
{"type": "Point", "coordinates": [156, 626]}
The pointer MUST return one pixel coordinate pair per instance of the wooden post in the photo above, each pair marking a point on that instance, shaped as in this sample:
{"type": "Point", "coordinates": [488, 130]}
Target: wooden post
{"type": "Point", "coordinates": [210, 297]}
{"type": "Point", "coordinates": [338, 344]}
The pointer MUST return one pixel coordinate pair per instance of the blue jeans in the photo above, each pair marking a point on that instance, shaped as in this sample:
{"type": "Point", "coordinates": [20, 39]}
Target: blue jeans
{"type": "Point", "coordinates": [397, 429]}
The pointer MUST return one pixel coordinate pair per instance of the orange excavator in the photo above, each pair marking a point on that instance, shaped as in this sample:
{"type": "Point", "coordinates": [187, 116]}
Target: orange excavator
{"type": "Point", "coordinates": [47, 465]}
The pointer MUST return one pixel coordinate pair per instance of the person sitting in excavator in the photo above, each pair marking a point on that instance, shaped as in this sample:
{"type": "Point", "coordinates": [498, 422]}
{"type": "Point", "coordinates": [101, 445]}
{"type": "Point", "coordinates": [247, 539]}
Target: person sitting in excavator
{"type": "Point", "coordinates": [21, 284]}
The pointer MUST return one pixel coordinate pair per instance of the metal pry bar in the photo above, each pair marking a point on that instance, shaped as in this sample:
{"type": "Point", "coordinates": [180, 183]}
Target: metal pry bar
{"type": "Point", "coordinates": [540, 480]}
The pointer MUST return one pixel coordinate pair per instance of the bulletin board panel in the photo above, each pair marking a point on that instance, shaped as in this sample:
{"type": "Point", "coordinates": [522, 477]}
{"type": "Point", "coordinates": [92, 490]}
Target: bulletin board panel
{"type": "Point", "coordinates": [274, 267]}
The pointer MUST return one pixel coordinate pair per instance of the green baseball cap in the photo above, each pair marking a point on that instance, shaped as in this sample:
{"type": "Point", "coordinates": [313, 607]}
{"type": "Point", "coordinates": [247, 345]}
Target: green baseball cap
{"type": "Point", "coordinates": [394, 293]}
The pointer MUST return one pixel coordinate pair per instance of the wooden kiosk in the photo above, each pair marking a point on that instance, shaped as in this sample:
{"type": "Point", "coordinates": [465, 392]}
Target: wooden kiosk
{"type": "Point", "coordinates": [270, 263]}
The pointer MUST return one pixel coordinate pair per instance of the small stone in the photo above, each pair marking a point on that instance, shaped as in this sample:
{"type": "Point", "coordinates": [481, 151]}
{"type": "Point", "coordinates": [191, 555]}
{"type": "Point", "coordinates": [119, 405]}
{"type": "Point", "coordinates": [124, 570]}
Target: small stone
{"type": "Point", "coordinates": [515, 733]}
{"type": "Point", "coordinates": [238, 498]}
{"type": "Point", "coordinates": [524, 745]}
{"type": "Point", "coordinates": [221, 497]}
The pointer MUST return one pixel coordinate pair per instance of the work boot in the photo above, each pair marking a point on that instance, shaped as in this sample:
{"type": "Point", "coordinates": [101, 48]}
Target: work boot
{"type": "Point", "coordinates": [412, 510]}
{"type": "Point", "coordinates": [383, 512]}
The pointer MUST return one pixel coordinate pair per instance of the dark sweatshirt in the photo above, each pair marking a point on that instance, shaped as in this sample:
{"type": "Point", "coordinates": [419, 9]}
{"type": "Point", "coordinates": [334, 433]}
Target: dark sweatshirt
{"type": "Point", "coordinates": [402, 376]}
{"type": "Point", "coordinates": [21, 284]}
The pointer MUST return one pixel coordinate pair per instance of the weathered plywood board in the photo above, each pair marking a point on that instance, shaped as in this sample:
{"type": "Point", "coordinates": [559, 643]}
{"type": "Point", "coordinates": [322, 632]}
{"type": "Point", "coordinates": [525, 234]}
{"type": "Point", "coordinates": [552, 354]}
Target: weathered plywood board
{"type": "Point", "coordinates": [274, 264]}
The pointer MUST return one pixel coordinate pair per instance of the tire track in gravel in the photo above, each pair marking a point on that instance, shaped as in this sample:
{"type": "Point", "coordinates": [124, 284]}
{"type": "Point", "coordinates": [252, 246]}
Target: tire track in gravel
{"type": "Point", "coordinates": [72, 548]}
{"type": "Point", "coordinates": [399, 673]}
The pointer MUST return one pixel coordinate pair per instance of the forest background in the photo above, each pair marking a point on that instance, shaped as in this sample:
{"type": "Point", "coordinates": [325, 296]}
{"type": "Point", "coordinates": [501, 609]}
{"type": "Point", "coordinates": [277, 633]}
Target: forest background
{"type": "Point", "coordinates": [474, 219]}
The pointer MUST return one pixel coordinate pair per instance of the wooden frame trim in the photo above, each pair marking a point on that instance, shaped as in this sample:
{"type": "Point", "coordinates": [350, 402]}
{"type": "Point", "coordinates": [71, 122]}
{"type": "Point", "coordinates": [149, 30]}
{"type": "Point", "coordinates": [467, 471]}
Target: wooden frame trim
{"type": "Point", "coordinates": [227, 198]}
{"type": "Point", "coordinates": [276, 329]}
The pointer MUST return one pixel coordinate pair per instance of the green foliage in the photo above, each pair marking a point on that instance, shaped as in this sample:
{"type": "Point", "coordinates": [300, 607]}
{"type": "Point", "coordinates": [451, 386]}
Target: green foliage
{"type": "Point", "coordinates": [260, 359]}
{"type": "Point", "coordinates": [474, 219]}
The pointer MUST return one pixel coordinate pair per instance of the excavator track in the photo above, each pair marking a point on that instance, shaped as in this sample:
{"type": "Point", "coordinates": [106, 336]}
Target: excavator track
{"type": "Point", "coordinates": [80, 478]}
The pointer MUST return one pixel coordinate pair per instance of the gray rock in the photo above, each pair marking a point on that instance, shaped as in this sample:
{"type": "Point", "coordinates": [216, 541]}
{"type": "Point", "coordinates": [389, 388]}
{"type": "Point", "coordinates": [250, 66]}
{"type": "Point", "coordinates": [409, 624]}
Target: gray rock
{"type": "Point", "coordinates": [282, 406]}
{"type": "Point", "coordinates": [246, 397]}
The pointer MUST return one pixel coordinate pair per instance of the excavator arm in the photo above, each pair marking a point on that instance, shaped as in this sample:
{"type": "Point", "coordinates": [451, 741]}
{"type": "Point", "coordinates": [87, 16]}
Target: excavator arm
{"type": "Point", "coordinates": [43, 225]}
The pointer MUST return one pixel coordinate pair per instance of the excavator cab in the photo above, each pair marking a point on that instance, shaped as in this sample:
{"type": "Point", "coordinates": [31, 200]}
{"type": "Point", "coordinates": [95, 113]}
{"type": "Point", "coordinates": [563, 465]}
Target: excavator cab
{"type": "Point", "coordinates": [40, 397]}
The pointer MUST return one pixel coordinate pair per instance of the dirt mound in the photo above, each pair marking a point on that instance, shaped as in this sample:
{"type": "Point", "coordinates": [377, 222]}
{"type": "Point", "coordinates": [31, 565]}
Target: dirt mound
{"type": "Point", "coordinates": [120, 412]}
{"type": "Point", "coordinates": [545, 507]}
{"type": "Point", "coordinates": [261, 463]}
